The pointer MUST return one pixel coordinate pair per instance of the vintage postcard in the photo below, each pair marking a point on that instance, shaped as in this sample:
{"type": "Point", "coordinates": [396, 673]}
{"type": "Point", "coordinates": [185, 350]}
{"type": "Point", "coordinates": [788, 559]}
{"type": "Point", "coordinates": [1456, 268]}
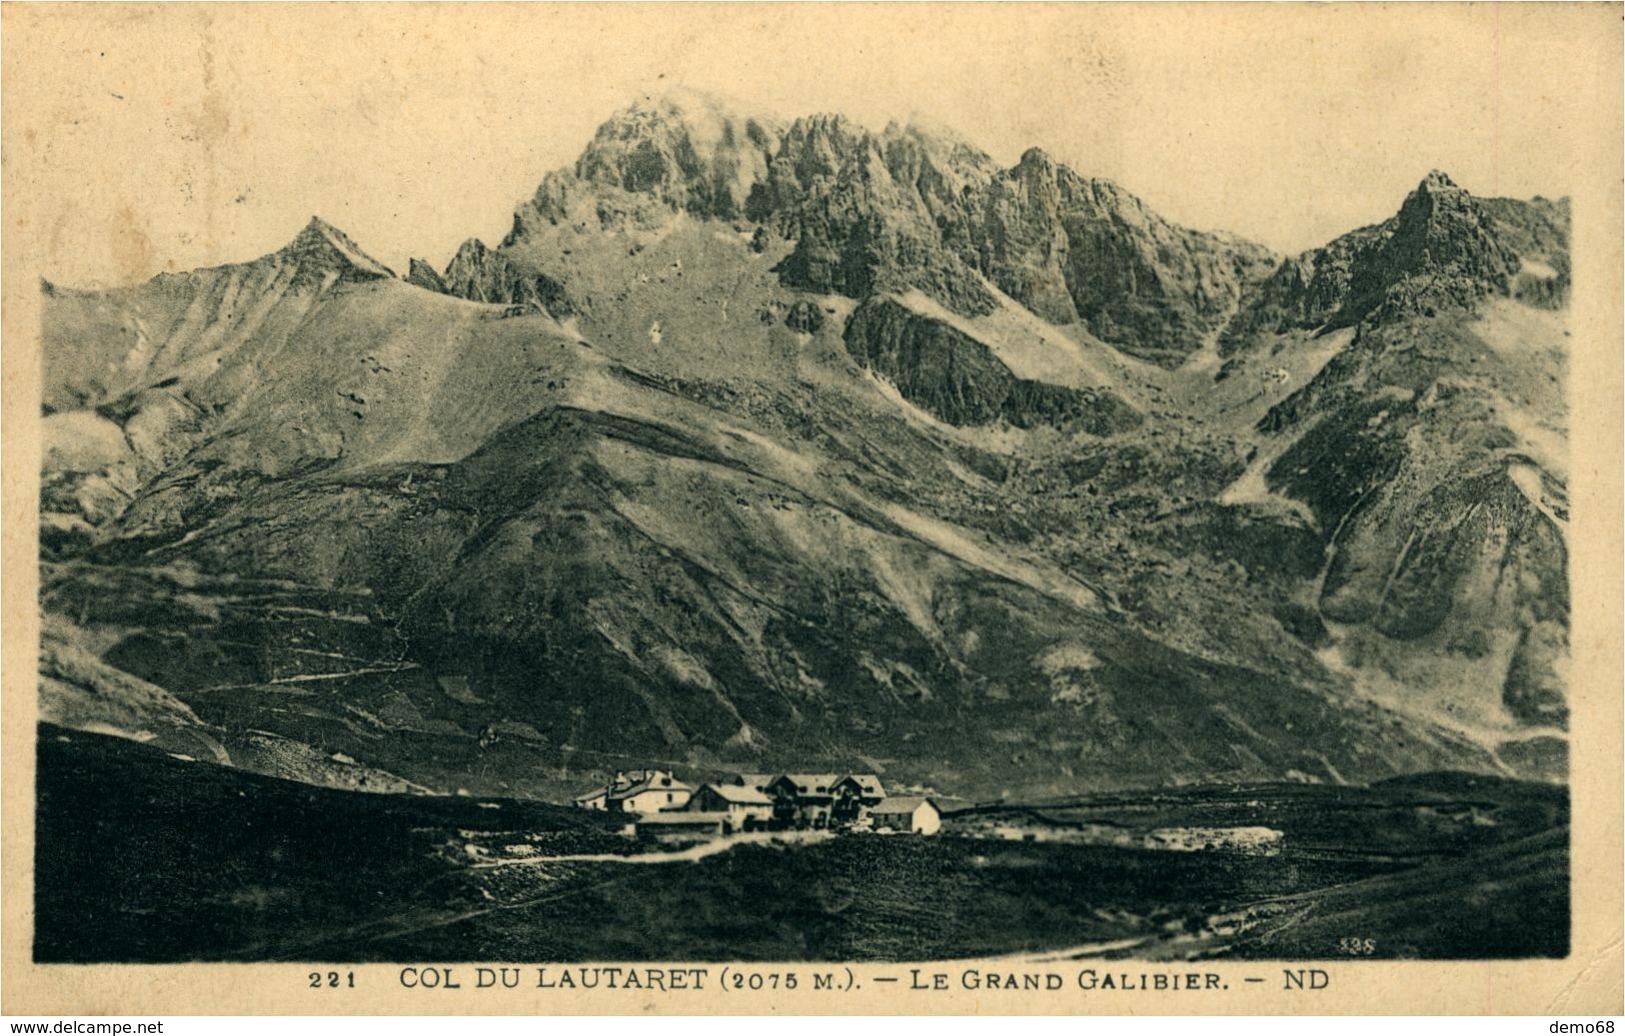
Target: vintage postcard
{"type": "Point", "coordinates": [734, 508]}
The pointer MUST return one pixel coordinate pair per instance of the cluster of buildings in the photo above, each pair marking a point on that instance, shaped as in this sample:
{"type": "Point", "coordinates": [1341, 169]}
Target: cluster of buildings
{"type": "Point", "coordinates": [662, 804]}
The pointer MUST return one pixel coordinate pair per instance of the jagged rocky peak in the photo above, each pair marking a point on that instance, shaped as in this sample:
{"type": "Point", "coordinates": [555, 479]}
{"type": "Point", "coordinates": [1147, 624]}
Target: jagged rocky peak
{"type": "Point", "coordinates": [912, 207]}
{"type": "Point", "coordinates": [472, 250]}
{"type": "Point", "coordinates": [486, 275]}
{"type": "Point", "coordinates": [474, 271]}
{"type": "Point", "coordinates": [940, 164]}
{"type": "Point", "coordinates": [1442, 223]}
{"type": "Point", "coordinates": [424, 276]}
{"type": "Point", "coordinates": [696, 151]}
{"type": "Point", "coordinates": [824, 145]}
{"type": "Point", "coordinates": [1035, 162]}
{"type": "Point", "coordinates": [1438, 180]}
{"type": "Point", "coordinates": [1435, 203]}
{"type": "Point", "coordinates": [819, 156]}
{"type": "Point", "coordinates": [1075, 248]}
{"type": "Point", "coordinates": [1444, 249]}
{"type": "Point", "coordinates": [941, 143]}
{"type": "Point", "coordinates": [322, 246]}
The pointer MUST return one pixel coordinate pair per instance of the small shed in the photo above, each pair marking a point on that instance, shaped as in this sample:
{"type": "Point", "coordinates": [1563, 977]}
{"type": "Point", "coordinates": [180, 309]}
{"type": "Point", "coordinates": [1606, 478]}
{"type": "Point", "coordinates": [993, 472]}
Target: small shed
{"type": "Point", "coordinates": [598, 798]}
{"type": "Point", "coordinates": [908, 813]}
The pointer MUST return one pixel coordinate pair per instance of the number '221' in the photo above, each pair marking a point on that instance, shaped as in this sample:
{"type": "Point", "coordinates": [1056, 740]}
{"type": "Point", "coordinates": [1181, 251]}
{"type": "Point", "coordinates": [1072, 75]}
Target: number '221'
{"type": "Point", "coordinates": [332, 980]}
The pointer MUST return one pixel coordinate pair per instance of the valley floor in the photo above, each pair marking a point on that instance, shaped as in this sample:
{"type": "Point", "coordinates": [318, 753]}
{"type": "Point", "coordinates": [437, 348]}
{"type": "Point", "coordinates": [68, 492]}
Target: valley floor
{"type": "Point", "coordinates": [146, 857]}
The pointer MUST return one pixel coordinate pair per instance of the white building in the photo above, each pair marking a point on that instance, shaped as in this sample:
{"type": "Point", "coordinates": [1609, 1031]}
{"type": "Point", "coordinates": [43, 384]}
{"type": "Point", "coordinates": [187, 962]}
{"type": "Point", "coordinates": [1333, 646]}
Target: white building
{"type": "Point", "coordinates": [907, 813]}
{"type": "Point", "coordinates": [639, 791]}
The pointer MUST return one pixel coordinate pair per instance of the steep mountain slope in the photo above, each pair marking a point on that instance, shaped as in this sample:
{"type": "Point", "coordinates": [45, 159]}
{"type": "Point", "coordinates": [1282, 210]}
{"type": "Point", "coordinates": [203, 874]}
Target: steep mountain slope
{"type": "Point", "coordinates": [1433, 449]}
{"type": "Point", "coordinates": [197, 387]}
{"type": "Point", "coordinates": [757, 445]}
{"type": "Point", "coordinates": [1134, 280]}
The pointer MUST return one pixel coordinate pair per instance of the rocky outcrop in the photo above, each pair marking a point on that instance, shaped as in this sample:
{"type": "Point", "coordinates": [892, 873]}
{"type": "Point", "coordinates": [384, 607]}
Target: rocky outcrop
{"type": "Point", "coordinates": [1019, 240]}
{"type": "Point", "coordinates": [949, 374]}
{"type": "Point", "coordinates": [857, 229]}
{"type": "Point", "coordinates": [804, 317]}
{"type": "Point", "coordinates": [483, 275]}
{"type": "Point", "coordinates": [424, 276]}
{"type": "Point", "coordinates": [874, 214]}
{"type": "Point", "coordinates": [934, 366]}
{"type": "Point", "coordinates": [1304, 292]}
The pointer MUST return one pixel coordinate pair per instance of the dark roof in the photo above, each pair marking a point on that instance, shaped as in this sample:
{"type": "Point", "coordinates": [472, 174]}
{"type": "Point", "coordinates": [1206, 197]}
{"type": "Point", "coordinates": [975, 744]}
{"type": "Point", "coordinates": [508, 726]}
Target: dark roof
{"type": "Point", "coordinates": [903, 804]}
{"type": "Point", "coordinates": [648, 784]}
{"type": "Point", "coordinates": [809, 783]}
{"type": "Point", "coordinates": [737, 794]}
{"type": "Point", "coordinates": [868, 782]}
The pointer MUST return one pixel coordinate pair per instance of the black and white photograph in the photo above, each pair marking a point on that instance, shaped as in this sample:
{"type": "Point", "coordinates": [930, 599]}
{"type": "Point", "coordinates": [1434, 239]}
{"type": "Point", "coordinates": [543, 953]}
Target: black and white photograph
{"type": "Point", "coordinates": [1088, 488]}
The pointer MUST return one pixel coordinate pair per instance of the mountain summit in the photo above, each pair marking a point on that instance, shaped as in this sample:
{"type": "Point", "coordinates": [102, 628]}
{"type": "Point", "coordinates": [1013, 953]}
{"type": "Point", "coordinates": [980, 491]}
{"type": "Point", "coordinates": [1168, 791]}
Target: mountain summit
{"type": "Point", "coordinates": [691, 150]}
{"type": "Point", "coordinates": [911, 207]}
{"type": "Point", "coordinates": [1444, 249]}
{"type": "Point", "coordinates": [320, 245]}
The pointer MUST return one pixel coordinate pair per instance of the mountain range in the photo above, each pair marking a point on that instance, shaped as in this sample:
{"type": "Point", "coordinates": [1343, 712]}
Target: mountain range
{"type": "Point", "coordinates": [758, 445]}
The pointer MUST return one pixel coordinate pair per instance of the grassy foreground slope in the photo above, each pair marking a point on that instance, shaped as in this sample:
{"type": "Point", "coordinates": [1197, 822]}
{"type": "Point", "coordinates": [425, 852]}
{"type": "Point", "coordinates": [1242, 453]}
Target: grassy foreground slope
{"type": "Point", "coordinates": [144, 856]}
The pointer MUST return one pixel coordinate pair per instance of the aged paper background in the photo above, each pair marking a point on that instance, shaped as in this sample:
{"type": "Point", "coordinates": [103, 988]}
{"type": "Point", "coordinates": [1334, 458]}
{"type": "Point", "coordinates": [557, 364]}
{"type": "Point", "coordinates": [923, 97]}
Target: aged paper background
{"type": "Point", "coordinates": [65, 146]}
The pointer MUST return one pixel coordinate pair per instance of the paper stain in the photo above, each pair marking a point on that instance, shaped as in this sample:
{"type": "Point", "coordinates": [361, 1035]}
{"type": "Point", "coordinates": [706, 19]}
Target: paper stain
{"type": "Point", "coordinates": [130, 244]}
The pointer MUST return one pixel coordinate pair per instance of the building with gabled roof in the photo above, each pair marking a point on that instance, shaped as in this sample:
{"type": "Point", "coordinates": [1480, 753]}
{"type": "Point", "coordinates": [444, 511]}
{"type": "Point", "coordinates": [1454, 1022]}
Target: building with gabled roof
{"type": "Point", "coordinates": [907, 813]}
{"type": "Point", "coordinates": [865, 785]}
{"type": "Point", "coordinates": [598, 798]}
{"type": "Point", "coordinates": [745, 807]}
{"type": "Point", "coordinates": [658, 791]}
{"type": "Point", "coordinates": [824, 799]}
{"type": "Point", "coordinates": [639, 791]}
{"type": "Point", "coordinates": [854, 796]}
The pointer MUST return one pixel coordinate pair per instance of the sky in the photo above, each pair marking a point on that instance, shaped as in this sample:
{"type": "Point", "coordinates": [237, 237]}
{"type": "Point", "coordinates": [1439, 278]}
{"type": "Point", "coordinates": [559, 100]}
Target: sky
{"type": "Point", "coordinates": [171, 137]}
